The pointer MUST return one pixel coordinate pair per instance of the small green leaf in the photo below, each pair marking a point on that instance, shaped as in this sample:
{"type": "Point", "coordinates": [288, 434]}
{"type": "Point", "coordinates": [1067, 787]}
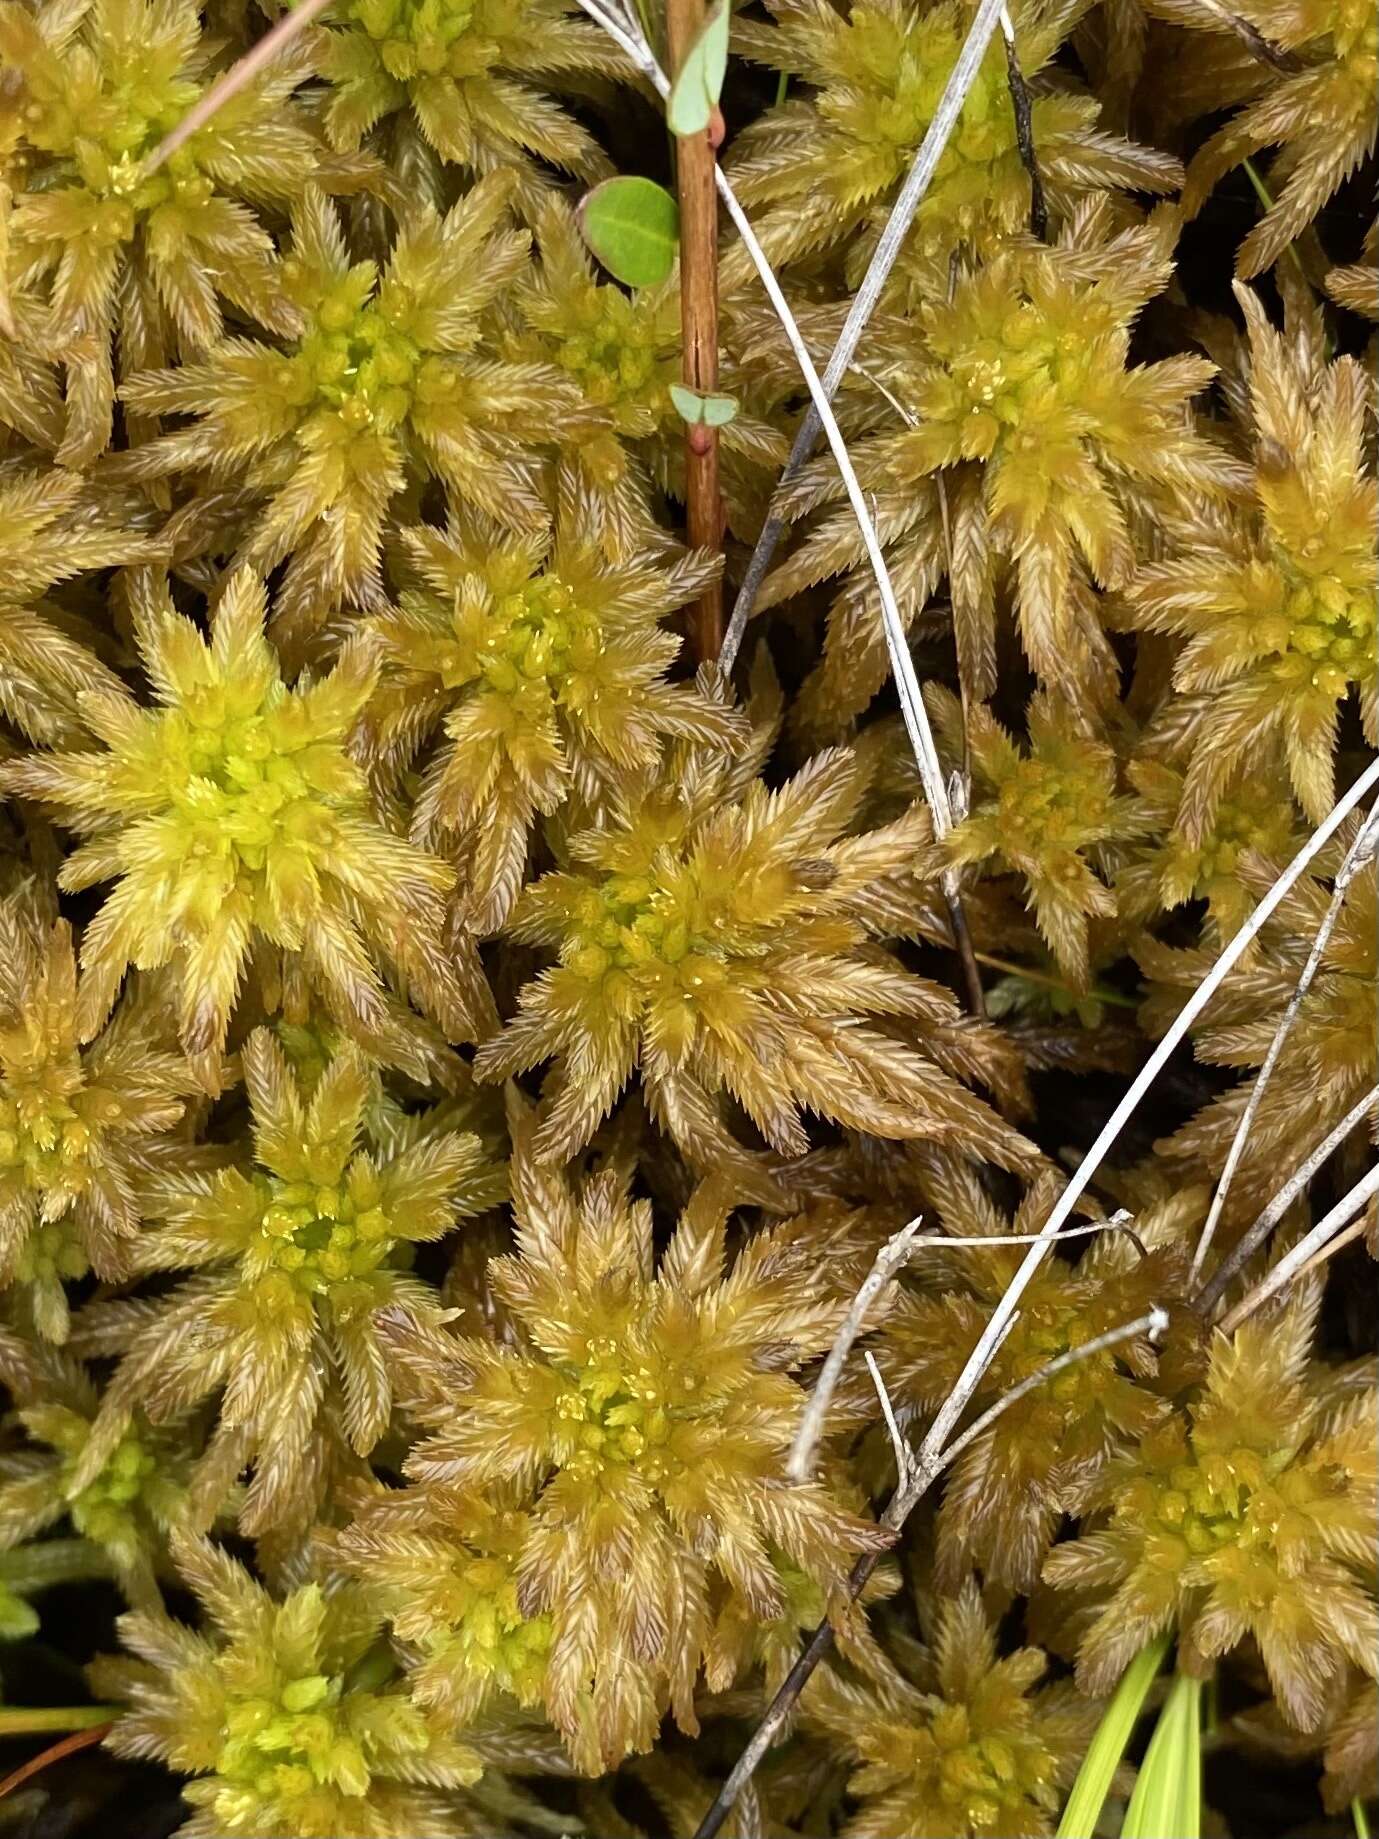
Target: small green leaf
{"type": "Point", "coordinates": [1103, 1756]}
{"type": "Point", "coordinates": [713, 411]}
{"type": "Point", "coordinates": [1167, 1802]}
{"type": "Point", "coordinates": [699, 81]}
{"type": "Point", "coordinates": [632, 226]}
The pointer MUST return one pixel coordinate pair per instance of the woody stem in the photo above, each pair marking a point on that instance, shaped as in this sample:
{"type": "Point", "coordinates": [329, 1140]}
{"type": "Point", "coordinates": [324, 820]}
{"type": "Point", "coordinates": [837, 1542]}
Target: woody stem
{"type": "Point", "coordinates": [694, 172]}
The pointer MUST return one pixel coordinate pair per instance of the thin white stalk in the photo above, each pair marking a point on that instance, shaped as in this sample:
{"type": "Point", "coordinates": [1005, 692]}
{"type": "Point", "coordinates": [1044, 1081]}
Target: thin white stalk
{"type": "Point", "coordinates": [902, 1504]}
{"type": "Point", "coordinates": [892, 239]}
{"type": "Point", "coordinates": [238, 77]}
{"type": "Point", "coordinates": [887, 1262]}
{"type": "Point", "coordinates": [902, 664]}
{"type": "Point", "coordinates": [958, 1241]}
{"type": "Point", "coordinates": [899, 1447]}
{"type": "Point", "coordinates": [1242, 1252]}
{"type": "Point", "coordinates": [980, 1356]}
{"type": "Point", "coordinates": [1153, 1324]}
{"type": "Point", "coordinates": [893, 1254]}
{"type": "Point", "coordinates": [1356, 1230]}
{"type": "Point", "coordinates": [1293, 1262]}
{"type": "Point", "coordinates": [1359, 853]}
{"type": "Point", "coordinates": [928, 1462]}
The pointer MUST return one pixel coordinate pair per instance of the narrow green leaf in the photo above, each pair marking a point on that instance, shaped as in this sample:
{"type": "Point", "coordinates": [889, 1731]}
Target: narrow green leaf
{"type": "Point", "coordinates": [1167, 1802]}
{"type": "Point", "coordinates": [699, 81]}
{"type": "Point", "coordinates": [713, 411]}
{"type": "Point", "coordinates": [632, 226]}
{"type": "Point", "coordinates": [1360, 1817]}
{"type": "Point", "coordinates": [1103, 1756]}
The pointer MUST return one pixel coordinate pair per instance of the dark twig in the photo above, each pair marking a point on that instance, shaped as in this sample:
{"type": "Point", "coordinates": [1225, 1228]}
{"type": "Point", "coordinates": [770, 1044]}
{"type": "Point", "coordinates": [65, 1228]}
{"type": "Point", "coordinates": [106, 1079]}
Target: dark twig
{"type": "Point", "coordinates": [1024, 132]}
{"type": "Point", "coordinates": [1287, 62]}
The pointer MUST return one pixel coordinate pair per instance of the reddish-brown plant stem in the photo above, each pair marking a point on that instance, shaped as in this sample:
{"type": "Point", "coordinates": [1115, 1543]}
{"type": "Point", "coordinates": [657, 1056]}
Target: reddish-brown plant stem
{"type": "Point", "coordinates": [695, 159]}
{"type": "Point", "coordinates": [66, 1746]}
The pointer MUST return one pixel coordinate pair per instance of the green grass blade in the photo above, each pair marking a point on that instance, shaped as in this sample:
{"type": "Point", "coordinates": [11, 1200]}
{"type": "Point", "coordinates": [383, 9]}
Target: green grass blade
{"type": "Point", "coordinates": [1167, 1802]}
{"type": "Point", "coordinates": [1360, 1817]}
{"type": "Point", "coordinates": [1107, 1747]}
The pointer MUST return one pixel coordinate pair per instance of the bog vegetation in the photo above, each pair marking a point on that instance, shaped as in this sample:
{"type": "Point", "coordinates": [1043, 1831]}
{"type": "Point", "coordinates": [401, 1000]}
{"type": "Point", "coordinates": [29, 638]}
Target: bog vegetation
{"type": "Point", "coordinates": [462, 1050]}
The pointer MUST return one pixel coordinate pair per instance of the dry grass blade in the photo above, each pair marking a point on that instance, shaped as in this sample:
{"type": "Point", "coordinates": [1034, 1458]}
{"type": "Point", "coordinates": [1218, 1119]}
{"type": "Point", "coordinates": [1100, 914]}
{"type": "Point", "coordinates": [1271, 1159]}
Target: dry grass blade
{"type": "Point", "coordinates": [1176, 1032]}
{"type": "Point", "coordinates": [1293, 1263]}
{"type": "Point", "coordinates": [888, 1261]}
{"type": "Point", "coordinates": [922, 1476]}
{"type": "Point", "coordinates": [908, 199]}
{"type": "Point", "coordinates": [238, 77]}
{"type": "Point", "coordinates": [900, 1448]}
{"type": "Point", "coordinates": [1250, 1243]}
{"type": "Point", "coordinates": [1152, 1323]}
{"type": "Point", "coordinates": [1359, 853]}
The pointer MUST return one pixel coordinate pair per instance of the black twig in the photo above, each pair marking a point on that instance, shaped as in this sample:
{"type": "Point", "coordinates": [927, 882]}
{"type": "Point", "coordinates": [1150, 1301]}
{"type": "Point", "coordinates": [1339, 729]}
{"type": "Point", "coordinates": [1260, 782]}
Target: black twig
{"type": "Point", "coordinates": [1024, 134]}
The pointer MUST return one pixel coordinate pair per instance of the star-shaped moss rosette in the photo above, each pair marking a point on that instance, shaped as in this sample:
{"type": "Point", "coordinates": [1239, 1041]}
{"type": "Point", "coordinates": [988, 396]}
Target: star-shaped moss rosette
{"type": "Point", "coordinates": [127, 1510]}
{"type": "Point", "coordinates": [621, 353]}
{"type": "Point", "coordinates": [960, 1740]}
{"type": "Point", "coordinates": [1256, 816]}
{"type": "Point", "coordinates": [1006, 1495]}
{"type": "Point", "coordinates": [476, 78]}
{"type": "Point", "coordinates": [230, 817]}
{"type": "Point", "coordinates": [295, 1259]}
{"type": "Point", "coordinates": [523, 669]}
{"type": "Point", "coordinates": [717, 937]}
{"type": "Point", "coordinates": [823, 167]}
{"type": "Point", "coordinates": [126, 257]}
{"type": "Point", "coordinates": [1005, 435]}
{"type": "Point", "coordinates": [1248, 1513]}
{"type": "Point", "coordinates": [285, 1715]}
{"type": "Point", "coordinates": [1273, 595]}
{"type": "Point", "coordinates": [389, 378]}
{"type": "Point", "coordinates": [647, 1409]}
{"type": "Point", "coordinates": [1049, 813]}
{"type": "Point", "coordinates": [445, 1565]}
{"type": "Point", "coordinates": [88, 1123]}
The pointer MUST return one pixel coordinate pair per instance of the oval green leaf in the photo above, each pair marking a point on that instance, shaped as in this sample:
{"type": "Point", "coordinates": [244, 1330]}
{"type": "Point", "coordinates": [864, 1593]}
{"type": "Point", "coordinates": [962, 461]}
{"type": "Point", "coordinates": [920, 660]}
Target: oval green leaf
{"type": "Point", "coordinates": [632, 226]}
{"type": "Point", "coordinates": [713, 411]}
{"type": "Point", "coordinates": [699, 81]}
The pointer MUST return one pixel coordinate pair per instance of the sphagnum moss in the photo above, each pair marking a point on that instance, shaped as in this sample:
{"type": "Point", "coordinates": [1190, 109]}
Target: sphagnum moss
{"type": "Point", "coordinates": [366, 789]}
